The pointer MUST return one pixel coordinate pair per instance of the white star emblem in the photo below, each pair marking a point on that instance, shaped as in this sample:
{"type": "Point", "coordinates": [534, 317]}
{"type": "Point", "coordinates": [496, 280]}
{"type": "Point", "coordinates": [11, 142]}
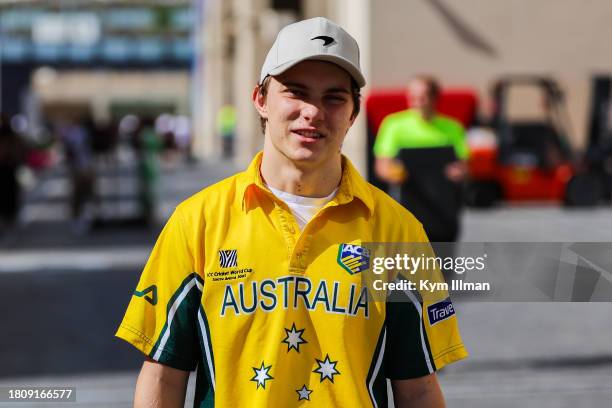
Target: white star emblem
{"type": "Point", "coordinates": [304, 393]}
{"type": "Point", "coordinates": [327, 368]}
{"type": "Point", "coordinates": [294, 338]}
{"type": "Point", "coordinates": [262, 375]}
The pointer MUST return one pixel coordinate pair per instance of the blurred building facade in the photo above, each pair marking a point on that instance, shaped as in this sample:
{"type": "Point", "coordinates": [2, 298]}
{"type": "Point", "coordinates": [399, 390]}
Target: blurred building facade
{"type": "Point", "coordinates": [469, 43]}
{"type": "Point", "coordinates": [196, 56]}
{"type": "Point", "coordinates": [95, 59]}
{"type": "Point", "coordinates": [474, 42]}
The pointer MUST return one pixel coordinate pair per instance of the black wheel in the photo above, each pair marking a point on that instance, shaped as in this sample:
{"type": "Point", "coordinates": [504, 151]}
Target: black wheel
{"type": "Point", "coordinates": [584, 190]}
{"type": "Point", "coordinates": [482, 194]}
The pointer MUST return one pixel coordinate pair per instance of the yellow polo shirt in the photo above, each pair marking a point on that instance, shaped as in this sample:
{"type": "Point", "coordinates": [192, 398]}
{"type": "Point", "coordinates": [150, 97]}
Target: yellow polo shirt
{"type": "Point", "coordinates": [274, 317]}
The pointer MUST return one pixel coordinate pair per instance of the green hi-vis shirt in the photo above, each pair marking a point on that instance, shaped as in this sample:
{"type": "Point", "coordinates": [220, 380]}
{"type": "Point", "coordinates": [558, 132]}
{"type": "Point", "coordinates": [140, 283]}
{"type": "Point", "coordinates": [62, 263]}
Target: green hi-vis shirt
{"type": "Point", "coordinates": [226, 120]}
{"type": "Point", "coordinates": [408, 130]}
{"type": "Point", "coordinates": [271, 316]}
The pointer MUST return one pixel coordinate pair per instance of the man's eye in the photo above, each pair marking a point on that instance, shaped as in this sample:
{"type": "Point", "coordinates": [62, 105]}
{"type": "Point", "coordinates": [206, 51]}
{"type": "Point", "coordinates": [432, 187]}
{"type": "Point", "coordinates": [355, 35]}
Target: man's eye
{"type": "Point", "coordinates": [296, 92]}
{"type": "Point", "coordinates": [336, 98]}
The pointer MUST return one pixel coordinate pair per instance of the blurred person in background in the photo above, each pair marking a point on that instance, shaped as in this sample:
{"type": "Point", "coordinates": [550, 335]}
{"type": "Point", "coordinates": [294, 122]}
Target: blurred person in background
{"type": "Point", "coordinates": [77, 141]}
{"type": "Point", "coordinates": [420, 126]}
{"type": "Point", "coordinates": [147, 145]}
{"type": "Point", "coordinates": [12, 156]}
{"type": "Point", "coordinates": [226, 124]}
{"type": "Point", "coordinates": [182, 134]}
{"type": "Point", "coordinates": [104, 137]}
{"type": "Point", "coordinates": [221, 290]}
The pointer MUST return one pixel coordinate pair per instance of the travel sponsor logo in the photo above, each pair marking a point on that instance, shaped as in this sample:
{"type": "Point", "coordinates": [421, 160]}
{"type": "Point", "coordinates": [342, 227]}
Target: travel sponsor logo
{"type": "Point", "coordinates": [228, 258]}
{"type": "Point", "coordinates": [440, 311]}
{"type": "Point", "coordinates": [152, 298]}
{"type": "Point", "coordinates": [295, 292]}
{"type": "Point", "coordinates": [353, 258]}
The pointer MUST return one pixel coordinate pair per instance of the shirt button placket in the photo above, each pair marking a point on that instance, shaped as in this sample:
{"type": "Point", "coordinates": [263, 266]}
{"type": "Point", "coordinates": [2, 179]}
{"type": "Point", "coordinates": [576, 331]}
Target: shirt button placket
{"type": "Point", "coordinates": [289, 232]}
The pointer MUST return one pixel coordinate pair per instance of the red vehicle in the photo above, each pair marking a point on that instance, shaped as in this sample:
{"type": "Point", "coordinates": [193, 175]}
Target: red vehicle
{"type": "Point", "coordinates": [529, 159]}
{"type": "Point", "coordinates": [514, 159]}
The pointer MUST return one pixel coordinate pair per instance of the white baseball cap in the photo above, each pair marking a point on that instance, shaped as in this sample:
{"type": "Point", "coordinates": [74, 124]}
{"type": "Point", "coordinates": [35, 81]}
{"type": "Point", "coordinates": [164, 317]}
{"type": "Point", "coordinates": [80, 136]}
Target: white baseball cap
{"type": "Point", "coordinates": [313, 39]}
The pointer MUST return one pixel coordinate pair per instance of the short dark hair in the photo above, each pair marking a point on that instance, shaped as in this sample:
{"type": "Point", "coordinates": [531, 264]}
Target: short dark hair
{"type": "Point", "coordinates": [355, 95]}
{"type": "Point", "coordinates": [433, 86]}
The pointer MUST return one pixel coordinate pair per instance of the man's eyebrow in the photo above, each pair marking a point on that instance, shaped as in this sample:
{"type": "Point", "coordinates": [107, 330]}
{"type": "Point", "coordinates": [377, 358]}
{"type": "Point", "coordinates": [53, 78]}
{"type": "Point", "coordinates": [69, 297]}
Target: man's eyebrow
{"type": "Point", "coordinates": [337, 90]}
{"type": "Point", "coordinates": [294, 85]}
{"type": "Point", "coordinates": [334, 89]}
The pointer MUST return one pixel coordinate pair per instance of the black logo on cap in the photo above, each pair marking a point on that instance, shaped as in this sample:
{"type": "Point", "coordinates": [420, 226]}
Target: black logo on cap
{"type": "Point", "coordinates": [326, 40]}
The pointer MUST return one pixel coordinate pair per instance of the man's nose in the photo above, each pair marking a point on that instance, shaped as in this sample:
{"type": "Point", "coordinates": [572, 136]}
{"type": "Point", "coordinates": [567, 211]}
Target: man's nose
{"type": "Point", "coordinates": [312, 111]}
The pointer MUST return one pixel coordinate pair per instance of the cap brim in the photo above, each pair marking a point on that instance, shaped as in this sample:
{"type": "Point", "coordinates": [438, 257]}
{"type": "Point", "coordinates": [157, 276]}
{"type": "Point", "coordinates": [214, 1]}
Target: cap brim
{"type": "Point", "coordinates": [341, 62]}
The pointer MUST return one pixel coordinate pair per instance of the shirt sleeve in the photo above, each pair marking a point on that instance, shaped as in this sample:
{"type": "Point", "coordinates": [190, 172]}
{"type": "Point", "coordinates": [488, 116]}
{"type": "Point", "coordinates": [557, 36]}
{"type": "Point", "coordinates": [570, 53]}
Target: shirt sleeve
{"type": "Point", "coordinates": [460, 142]}
{"type": "Point", "coordinates": [161, 318]}
{"type": "Point", "coordinates": [419, 341]}
{"type": "Point", "coordinates": [422, 332]}
{"type": "Point", "coordinates": [386, 144]}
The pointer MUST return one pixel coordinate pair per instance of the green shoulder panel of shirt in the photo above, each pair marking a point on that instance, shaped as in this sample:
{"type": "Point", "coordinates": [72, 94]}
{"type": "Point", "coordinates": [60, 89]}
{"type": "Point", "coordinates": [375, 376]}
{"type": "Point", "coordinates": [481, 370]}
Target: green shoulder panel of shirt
{"type": "Point", "coordinates": [408, 130]}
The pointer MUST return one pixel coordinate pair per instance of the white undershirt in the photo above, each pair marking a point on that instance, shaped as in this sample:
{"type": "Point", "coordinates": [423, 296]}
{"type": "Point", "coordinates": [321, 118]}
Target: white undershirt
{"type": "Point", "coordinates": [303, 208]}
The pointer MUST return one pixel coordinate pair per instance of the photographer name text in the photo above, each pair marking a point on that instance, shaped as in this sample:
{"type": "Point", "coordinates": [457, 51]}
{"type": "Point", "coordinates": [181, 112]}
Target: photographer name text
{"type": "Point", "coordinates": [425, 285]}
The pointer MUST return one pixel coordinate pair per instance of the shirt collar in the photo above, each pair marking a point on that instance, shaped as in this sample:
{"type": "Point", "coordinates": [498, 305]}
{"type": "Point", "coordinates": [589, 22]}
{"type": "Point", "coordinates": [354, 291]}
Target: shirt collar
{"type": "Point", "coordinates": [352, 184]}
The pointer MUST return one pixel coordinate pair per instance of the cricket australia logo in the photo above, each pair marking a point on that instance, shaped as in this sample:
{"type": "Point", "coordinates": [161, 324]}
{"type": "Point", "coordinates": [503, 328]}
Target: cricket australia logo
{"type": "Point", "coordinates": [353, 258]}
{"type": "Point", "coordinates": [228, 258]}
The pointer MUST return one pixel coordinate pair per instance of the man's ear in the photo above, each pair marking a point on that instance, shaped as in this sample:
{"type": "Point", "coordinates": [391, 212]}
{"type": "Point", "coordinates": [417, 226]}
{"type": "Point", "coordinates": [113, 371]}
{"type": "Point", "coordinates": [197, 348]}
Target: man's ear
{"type": "Point", "coordinates": [259, 101]}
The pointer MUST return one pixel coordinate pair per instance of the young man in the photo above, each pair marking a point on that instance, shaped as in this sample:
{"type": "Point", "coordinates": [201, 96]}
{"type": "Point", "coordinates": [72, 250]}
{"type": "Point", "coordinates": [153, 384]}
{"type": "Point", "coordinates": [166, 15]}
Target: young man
{"type": "Point", "coordinates": [249, 281]}
{"type": "Point", "coordinates": [418, 127]}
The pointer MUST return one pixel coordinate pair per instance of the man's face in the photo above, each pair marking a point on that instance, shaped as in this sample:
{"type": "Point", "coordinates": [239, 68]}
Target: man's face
{"type": "Point", "coordinates": [420, 95]}
{"type": "Point", "coordinates": [308, 110]}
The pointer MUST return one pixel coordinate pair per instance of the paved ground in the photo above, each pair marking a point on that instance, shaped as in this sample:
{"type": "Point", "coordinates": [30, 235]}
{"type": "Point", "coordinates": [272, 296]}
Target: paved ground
{"type": "Point", "coordinates": [71, 290]}
{"type": "Point", "coordinates": [538, 223]}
